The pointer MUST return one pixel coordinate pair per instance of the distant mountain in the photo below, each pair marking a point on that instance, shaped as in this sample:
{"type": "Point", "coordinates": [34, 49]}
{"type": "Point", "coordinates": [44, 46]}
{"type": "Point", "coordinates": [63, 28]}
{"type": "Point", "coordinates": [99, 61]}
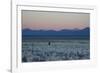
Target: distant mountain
{"type": "Point", "coordinates": [64, 32]}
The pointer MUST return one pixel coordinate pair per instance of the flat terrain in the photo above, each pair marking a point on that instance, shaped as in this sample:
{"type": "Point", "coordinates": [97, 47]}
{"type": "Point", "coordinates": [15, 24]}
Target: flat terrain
{"type": "Point", "coordinates": [55, 50]}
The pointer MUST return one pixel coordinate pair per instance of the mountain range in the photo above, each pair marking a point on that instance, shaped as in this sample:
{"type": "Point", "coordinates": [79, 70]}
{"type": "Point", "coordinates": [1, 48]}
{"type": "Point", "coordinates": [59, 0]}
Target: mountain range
{"type": "Point", "coordinates": [63, 32]}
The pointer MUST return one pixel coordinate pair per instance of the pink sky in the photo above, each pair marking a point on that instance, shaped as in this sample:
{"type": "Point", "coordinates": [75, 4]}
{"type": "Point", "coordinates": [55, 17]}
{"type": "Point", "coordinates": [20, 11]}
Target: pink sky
{"type": "Point", "coordinates": [39, 20]}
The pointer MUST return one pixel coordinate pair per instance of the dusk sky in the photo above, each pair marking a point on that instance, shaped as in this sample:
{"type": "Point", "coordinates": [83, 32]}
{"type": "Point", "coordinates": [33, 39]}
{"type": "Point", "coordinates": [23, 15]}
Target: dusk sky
{"type": "Point", "coordinates": [42, 20]}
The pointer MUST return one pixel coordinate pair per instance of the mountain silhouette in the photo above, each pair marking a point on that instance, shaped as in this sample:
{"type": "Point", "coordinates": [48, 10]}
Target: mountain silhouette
{"type": "Point", "coordinates": [63, 32]}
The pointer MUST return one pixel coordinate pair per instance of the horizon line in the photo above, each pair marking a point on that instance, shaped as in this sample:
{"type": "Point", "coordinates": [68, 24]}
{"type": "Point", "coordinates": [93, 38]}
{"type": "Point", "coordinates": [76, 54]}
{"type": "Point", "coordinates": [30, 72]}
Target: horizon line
{"type": "Point", "coordinates": [55, 29]}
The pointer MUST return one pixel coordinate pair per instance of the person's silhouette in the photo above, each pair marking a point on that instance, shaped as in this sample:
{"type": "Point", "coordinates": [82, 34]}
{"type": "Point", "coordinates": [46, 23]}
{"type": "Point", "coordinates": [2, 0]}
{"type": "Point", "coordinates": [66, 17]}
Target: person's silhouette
{"type": "Point", "coordinates": [49, 43]}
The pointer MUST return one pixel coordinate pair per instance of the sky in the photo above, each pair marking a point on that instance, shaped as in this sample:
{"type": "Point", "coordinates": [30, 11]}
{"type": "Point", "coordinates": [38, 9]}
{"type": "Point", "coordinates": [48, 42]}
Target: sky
{"type": "Point", "coordinates": [46, 20]}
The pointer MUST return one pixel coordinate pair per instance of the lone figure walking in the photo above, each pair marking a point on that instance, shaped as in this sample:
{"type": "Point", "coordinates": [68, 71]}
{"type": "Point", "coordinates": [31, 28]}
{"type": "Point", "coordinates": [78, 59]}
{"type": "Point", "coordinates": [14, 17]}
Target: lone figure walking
{"type": "Point", "coordinates": [49, 43]}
